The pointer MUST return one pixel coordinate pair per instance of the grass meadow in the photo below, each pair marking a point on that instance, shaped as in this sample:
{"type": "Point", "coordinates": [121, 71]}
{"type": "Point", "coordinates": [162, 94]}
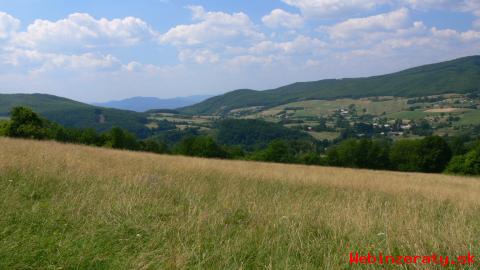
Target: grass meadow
{"type": "Point", "coordinates": [77, 207]}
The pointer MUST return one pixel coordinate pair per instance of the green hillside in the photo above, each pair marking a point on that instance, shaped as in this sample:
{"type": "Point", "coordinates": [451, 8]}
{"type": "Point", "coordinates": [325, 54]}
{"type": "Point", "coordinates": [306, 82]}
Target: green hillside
{"type": "Point", "coordinates": [75, 114]}
{"type": "Point", "coordinates": [456, 76]}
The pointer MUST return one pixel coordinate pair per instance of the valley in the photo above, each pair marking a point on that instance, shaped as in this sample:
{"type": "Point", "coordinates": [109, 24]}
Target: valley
{"type": "Point", "coordinates": [432, 112]}
{"type": "Point", "coordinates": [395, 117]}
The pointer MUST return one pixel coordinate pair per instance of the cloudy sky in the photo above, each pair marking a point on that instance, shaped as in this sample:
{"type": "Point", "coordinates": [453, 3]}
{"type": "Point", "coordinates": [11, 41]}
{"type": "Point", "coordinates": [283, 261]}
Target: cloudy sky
{"type": "Point", "coordinates": [98, 50]}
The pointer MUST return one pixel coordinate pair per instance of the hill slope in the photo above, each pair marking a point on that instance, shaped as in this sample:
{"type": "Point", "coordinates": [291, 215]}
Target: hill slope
{"type": "Point", "coordinates": [456, 76]}
{"type": "Point", "coordinates": [163, 212]}
{"type": "Point", "coordinates": [143, 104]}
{"type": "Point", "coordinates": [74, 114]}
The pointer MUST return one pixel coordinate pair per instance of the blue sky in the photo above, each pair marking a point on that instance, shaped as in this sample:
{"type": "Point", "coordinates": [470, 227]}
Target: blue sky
{"type": "Point", "coordinates": [101, 50]}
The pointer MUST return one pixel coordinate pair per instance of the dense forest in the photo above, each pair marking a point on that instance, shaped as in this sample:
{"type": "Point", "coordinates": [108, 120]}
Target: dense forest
{"type": "Point", "coordinates": [262, 141]}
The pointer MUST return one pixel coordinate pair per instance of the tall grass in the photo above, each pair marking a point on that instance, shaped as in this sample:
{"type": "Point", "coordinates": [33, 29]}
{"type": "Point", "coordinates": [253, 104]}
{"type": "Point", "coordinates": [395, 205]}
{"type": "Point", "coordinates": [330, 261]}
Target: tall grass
{"type": "Point", "coordinates": [76, 207]}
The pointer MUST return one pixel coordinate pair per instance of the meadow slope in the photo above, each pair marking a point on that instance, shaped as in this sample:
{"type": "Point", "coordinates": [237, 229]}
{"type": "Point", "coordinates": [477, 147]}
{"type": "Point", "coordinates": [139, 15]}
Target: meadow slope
{"type": "Point", "coordinates": [77, 207]}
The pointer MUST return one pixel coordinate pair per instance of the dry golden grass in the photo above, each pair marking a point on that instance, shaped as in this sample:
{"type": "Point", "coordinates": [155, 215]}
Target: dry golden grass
{"type": "Point", "coordinates": [88, 208]}
{"type": "Point", "coordinates": [444, 110]}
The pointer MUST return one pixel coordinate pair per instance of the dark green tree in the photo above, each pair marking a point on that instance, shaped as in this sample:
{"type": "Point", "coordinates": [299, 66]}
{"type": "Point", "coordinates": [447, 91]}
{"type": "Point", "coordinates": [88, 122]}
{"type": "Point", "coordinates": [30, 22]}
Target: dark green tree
{"type": "Point", "coordinates": [310, 158]}
{"type": "Point", "coordinates": [121, 139]}
{"type": "Point", "coordinates": [468, 164]}
{"type": "Point", "coordinates": [434, 154]}
{"type": "Point", "coordinates": [457, 144]}
{"type": "Point", "coordinates": [404, 155]}
{"type": "Point", "coordinates": [364, 153]}
{"type": "Point", "coordinates": [24, 123]}
{"type": "Point", "coordinates": [430, 154]}
{"type": "Point", "coordinates": [153, 146]}
{"type": "Point", "coordinates": [3, 127]}
{"type": "Point", "coordinates": [276, 151]}
{"type": "Point", "coordinates": [200, 147]}
{"type": "Point", "coordinates": [89, 137]}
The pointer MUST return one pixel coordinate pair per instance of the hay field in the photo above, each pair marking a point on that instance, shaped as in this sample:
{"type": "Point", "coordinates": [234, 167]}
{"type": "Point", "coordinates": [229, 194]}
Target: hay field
{"type": "Point", "coordinates": [77, 207]}
{"type": "Point", "coordinates": [327, 107]}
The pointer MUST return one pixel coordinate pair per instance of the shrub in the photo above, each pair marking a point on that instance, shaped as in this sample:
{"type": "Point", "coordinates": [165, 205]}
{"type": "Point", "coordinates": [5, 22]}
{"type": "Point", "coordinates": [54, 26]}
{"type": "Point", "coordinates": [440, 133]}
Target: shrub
{"type": "Point", "coordinates": [468, 164]}
{"type": "Point", "coordinates": [276, 151]}
{"type": "Point", "coordinates": [359, 154]}
{"type": "Point", "coordinates": [118, 138]}
{"type": "Point", "coordinates": [153, 146]}
{"type": "Point", "coordinates": [4, 125]}
{"type": "Point", "coordinates": [200, 147]}
{"type": "Point", "coordinates": [310, 158]}
{"type": "Point", "coordinates": [434, 154]}
{"type": "Point", "coordinates": [430, 154]}
{"type": "Point", "coordinates": [456, 165]}
{"type": "Point", "coordinates": [404, 155]}
{"type": "Point", "coordinates": [25, 123]}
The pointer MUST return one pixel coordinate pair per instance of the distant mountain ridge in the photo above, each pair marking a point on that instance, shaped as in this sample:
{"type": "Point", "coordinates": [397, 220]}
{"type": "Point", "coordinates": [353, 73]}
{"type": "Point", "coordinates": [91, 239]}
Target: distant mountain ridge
{"type": "Point", "coordinates": [456, 76]}
{"type": "Point", "coordinates": [143, 104]}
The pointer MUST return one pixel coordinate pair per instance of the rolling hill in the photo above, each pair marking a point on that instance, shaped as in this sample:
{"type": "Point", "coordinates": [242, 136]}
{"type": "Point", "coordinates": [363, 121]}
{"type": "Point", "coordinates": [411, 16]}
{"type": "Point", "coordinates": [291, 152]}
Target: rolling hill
{"type": "Point", "coordinates": [457, 76]}
{"type": "Point", "coordinates": [143, 104]}
{"type": "Point", "coordinates": [75, 114]}
{"type": "Point", "coordinates": [94, 208]}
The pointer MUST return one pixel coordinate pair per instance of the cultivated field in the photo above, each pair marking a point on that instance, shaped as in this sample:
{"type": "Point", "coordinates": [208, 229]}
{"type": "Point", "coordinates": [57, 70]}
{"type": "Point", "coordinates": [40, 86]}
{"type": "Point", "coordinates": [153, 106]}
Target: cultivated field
{"type": "Point", "coordinates": [326, 107]}
{"type": "Point", "coordinates": [76, 207]}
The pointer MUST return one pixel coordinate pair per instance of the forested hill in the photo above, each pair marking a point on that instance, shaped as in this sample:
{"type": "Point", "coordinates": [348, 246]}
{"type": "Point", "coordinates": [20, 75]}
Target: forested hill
{"type": "Point", "coordinates": [75, 114]}
{"type": "Point", "coordinates": [457, 76]}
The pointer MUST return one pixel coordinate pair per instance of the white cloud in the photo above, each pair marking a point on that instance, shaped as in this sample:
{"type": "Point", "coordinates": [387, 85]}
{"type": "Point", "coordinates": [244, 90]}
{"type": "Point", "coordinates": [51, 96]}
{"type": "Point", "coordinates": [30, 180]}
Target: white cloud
{"type": "Point", "coordinates": [212, 27]}
{"type": "Point", "coordinates": [457, 5]}
{"type": "Point", "coordinates": [300, 45]}
{"type": "Point", "coordinates": [80, 30]}
{"type": "Point", "coordinates": [150, 69]}
{"type": "Point", "coordinates": [8, 25]}
{"type": "Point", "coordinates": [476, 23]}
{"type": "Point", "coordinates": [382, 22]}
{"type": "Point", "coordinates": [40, 61]}
{"type": "Point", "coordinates": [470, 36]}
{"type": "Point", "coordinates": [220, 50]}
{"type": "Point", "coordinates": [455, 36]}
{"type": "Point", "coordinates": [469, 6]}
{"type": "Point", "coordinates": [420, 41]}
{"type": "Point", "coordinates": [201, 56]}
{"type": "Point", "coordinates": [432, 4]}
{"type": "Point", "coordinates": [345, 8]}
{"type": "Point", "coordinates": [247, 60]}
{"type": "Point", "coordinates": [134, 66]}
{"type": "Point", "coordinates": [333, 8]}
{"type": "Point", "coordinates": [279, 17]}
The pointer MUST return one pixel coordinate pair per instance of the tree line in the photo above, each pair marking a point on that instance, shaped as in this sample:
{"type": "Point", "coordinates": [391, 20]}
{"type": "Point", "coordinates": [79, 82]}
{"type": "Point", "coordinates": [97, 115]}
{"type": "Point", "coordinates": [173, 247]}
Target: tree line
{"type": "Point", "coordinates": [432, 154]}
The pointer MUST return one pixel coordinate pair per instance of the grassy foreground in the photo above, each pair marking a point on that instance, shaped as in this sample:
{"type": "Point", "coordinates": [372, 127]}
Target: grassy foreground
{"type": "Point", "coordinates": [76, 207]}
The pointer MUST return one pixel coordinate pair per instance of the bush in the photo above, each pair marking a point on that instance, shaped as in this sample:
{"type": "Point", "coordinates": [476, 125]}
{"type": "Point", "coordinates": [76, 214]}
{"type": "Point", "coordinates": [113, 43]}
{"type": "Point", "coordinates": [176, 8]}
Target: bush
{"type": "Point", "coordinates": [363, 153]}
{"type": "Point", "coordinates": [310, 158]}
{"type": "Point", "coordinates": [468, 164]}
{"type": "Point", "coordinates": [404, 155]}
{"type": "Point", "coordinates": [234, 152]}
{"type": "Point", "coordinates": [200, 147]}
{"type": "Point", "coordinates": [3, 127]}
{"type": "Point", "coordinates": [430, 154]}
{"type": "Point", "coordinates": [119, 138]}
{"type": "Point", "coordinates": [456, 165]}
{"type": "Point", "coordinates": [276, 151]}
{"type": "Point", "coordinates": [153, 146]}
{"type": "Point", "coordinates": [472, 162]}
{"type": "Point", "coordinates": [25, 123]}
{"type": "Point", "coordinates": [434, 154]}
